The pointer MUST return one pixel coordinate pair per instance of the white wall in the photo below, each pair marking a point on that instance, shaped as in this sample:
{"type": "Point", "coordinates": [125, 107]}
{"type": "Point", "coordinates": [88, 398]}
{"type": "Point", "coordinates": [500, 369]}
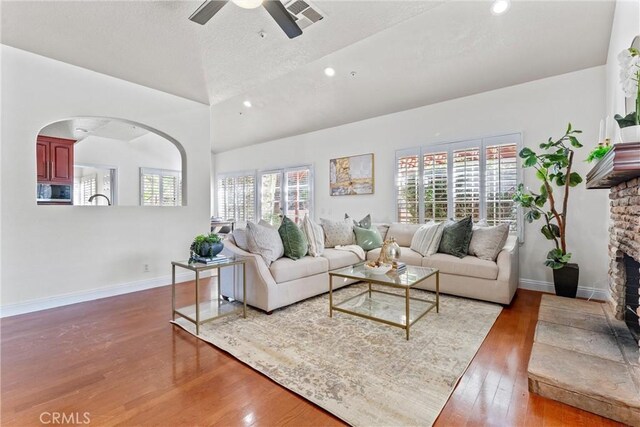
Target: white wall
{"type": "Point", "coordinates": [147, 151]}
{"type": "Point", "coordinates": [50, 251]}
{"type": "Point", "coordinates": [538, 109]}
{"type": "Point", "coordinates": [626, 25]}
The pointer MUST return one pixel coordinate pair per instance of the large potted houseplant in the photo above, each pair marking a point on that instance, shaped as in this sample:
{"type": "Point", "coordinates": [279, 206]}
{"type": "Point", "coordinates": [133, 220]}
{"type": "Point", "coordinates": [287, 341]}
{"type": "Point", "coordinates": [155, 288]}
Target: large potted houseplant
{"type": "Point", "coordinates": [554, 169]}
{"type": "Point", "coordinates": [629, 76]}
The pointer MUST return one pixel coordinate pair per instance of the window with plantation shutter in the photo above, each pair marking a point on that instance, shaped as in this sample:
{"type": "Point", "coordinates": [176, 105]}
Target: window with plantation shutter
{"type": "Point", "coordinates": [160, 187]}
{"type": "Point", "coordinates": [474, 178]}
{"type": "Point", "coordinates": [237, 197]}
{"type": "Point", "coordinates": [407, 187]}
{"type": "Point", "coordinates": [286, 192]}
{"type": "Point", "coordinates": [88, 187]}
{"type": "Point", "coordinates": [501, 180]}
{"type": "Point", "coordinates": [435, 186]}
{"type": "Point", "coordinates": [466, 183]}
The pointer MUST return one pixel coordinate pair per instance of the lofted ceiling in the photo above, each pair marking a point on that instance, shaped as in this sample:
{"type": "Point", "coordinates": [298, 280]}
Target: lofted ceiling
{"type": "Point", "coordinates": [404, 54]}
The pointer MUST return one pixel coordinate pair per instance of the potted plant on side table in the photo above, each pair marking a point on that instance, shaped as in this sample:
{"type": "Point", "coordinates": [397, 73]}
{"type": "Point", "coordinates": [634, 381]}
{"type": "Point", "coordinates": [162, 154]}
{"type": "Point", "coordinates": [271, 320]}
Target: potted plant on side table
{"type": "Point", "coordinates": [205, 246]}
{"type": "Point", "coordinates": [554, 170]}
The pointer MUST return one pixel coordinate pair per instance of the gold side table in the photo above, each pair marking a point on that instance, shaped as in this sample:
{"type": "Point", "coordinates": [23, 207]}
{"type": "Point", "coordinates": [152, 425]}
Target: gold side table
{"type": "Point", "coordinates": [207, 311]}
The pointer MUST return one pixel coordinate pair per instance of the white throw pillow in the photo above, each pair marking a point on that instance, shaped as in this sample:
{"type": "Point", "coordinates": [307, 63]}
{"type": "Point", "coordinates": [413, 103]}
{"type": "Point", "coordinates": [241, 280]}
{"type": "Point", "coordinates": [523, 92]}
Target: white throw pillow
{"type": "Point", "coordinates": [315, 236]}
{"type": "Point", "coordinates": [337, 232]}
{"type": "Point", "coordinates": [264, 241]}
{"type": "Point", "coordinates": [487, 242]}
{"type": "Point", "coordinates": [427, 239]}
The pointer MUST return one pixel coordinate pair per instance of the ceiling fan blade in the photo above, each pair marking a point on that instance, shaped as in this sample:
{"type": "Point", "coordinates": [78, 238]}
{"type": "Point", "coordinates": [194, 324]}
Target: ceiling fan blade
{"type": "Point", "coordinates": [206, 11]}
{"type": "Point", "coordinates": [282, 18]}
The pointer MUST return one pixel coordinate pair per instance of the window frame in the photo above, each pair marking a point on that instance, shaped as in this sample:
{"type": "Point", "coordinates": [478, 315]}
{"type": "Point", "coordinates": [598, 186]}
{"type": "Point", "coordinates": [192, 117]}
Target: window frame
{"type": "Point", "coordinates": [162, 173]}
{"type": "Point", "coordinates": [283, 191]}
{"type": "Point", "coordinates": [450, 147]}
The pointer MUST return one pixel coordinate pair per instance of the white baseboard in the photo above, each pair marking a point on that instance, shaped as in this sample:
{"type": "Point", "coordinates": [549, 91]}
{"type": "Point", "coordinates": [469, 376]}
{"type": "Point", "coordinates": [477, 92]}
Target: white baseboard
{"type": "Point", "coordinates": [583, 291]}
{"type": "Point", "coordinates": [94, 294]}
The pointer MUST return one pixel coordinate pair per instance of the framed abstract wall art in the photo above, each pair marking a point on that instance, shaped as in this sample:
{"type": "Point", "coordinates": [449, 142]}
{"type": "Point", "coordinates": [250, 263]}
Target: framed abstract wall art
{"type": "Point", "coordinates": [352, 175]}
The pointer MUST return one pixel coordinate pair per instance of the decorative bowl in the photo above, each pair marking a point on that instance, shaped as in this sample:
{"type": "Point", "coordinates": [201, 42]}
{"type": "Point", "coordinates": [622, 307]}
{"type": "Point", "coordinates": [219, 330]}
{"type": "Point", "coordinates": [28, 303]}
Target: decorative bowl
{"type": "Point", "coordinates": [382, 269]}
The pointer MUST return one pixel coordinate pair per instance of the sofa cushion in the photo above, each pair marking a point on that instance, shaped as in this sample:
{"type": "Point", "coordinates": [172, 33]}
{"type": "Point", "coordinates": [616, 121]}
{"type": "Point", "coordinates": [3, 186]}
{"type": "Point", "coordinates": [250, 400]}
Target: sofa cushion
{"type": "Point", "coordinates": [315, 236]}
{"type": "Point", "coordinates": [337, 232]}
{"type": "Point", "coordinates": [468, 266]}
{"type": "Point", "coordinates": [382, 229]}
{"type": "Point", "coordinates": [456, 238]}
{"type": "Point", "coordinates": [407, 256]}
{"type": "Point", "coordinates": [240, 238]}
{"type": "Point", "coordinates": [293, 239]}
{"type": "Point", "coordinates": [487, 242]}
{"type": "Point", "coordinates": [338, 258]}
{"type": "Point", "coordinates": [426, 240]}
{"type": "Point", "coordinates": [368, 239]}
{"type": "Point", "coordinates": [286, 269]}
{"type": "Point", "coordinates": [403, 233]}
{"type": "Point", "coordinates": [264, 241]}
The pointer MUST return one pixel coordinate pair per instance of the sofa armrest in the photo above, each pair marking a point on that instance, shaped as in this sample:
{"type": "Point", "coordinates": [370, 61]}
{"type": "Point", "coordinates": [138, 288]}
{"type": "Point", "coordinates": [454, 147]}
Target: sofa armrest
{"type": "Point", "coordinates": [509, 265]}
{"type": "Point", "coordinates": [258, 277]}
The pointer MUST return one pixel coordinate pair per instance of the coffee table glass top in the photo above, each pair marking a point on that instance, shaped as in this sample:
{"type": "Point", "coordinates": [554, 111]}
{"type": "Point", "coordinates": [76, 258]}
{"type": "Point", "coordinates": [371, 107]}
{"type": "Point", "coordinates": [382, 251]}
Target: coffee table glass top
{"type": "Point", "coordinates": [409, 277]}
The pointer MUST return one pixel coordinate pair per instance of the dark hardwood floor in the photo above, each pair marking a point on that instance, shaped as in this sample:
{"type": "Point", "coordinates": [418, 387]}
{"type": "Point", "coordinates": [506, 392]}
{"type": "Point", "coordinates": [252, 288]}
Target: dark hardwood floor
{"type": "Point", "coordinates": [120, 361]}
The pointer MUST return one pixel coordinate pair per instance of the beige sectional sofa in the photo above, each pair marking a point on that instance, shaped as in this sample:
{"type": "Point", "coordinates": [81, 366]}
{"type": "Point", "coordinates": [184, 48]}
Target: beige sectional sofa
{"type": "Point", "coordinates": [286, 281]}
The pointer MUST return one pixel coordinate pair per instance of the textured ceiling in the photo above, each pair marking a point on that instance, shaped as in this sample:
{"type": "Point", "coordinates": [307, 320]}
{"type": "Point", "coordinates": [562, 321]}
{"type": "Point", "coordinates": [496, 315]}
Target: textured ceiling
{"type": "Point", "coordinates": [405, 54]}
{"type": "Point", "coordinates": [154, 44]}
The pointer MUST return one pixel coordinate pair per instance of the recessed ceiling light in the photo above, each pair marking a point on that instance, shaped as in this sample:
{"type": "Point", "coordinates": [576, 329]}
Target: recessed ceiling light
{"type": "Point", "coordinates": [81, 130]}
{"type": "Point", "coordinates": [247, 104]}
{"type": "Point", "coordinates": [330, 72]}
{"type": "Point", "coordinates": [500, 6]}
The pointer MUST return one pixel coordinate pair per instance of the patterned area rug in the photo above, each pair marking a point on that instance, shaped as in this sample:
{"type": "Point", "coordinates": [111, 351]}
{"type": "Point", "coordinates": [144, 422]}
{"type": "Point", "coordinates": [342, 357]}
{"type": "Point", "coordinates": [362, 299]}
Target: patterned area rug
{"type": "Point", "coordinates": [364, 372]}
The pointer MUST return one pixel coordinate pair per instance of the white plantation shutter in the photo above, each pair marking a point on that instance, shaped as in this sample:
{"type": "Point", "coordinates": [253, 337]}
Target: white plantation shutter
{"type": "Point", "coordinates": [286, 192]}
{"type": "Point", "coordinates": [237, 197]}
{"type": "Point", "coordinates": [435, 186]}
{"type": "Point", "coordinates": [88, 187]}
{"type": "Point", "coordinates": [407, 187]}
{"type": "Point", "coordinates": [271, 197]}
{"type": "Point", "coordinates": [298, 193]}
{"type": "Point", "coordinates": [474, 178]}
{"type": "Point", "coordinates": [466, 183]}
{"type": "Point", "coordinates": [160, 187]}
{"type": "Point", "coordinates": [501, 178]}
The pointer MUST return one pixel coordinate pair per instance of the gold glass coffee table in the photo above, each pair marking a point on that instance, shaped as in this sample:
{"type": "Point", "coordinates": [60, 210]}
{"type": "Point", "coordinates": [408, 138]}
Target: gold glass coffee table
{"type": "Point", "coordinates": [401, 310]}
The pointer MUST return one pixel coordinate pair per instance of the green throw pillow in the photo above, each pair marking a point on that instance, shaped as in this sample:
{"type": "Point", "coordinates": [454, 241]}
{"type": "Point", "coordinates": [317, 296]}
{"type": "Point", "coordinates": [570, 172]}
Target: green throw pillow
{"type": "Point", "coordinates": [293, 239]}
{"type": "Point", "coordinates": [456, 238]}
{"type": "Point", "coordinates": [368, 239]}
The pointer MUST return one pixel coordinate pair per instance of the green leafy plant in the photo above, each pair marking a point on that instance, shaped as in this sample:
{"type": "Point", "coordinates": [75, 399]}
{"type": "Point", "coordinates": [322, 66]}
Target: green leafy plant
{"type": "Point", "coordinates": [599, 152]}
{"type": "Point", "coordinates": [202, 239]}
{"type": "Point", "coordinates": [554, 168]}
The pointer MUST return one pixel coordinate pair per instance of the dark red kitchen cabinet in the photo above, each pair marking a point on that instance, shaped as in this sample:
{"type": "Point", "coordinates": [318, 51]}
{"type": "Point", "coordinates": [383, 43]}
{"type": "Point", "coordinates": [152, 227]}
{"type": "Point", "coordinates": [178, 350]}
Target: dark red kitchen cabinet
{"type": "Point", "coordinates": [54, 160]}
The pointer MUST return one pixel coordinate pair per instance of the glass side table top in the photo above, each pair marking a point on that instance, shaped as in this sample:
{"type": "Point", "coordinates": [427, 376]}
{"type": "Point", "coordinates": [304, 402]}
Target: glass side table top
{"type": "Point", "coordinates": [221, 262]}
{"type": "Point", "coordinates": [407, 278]}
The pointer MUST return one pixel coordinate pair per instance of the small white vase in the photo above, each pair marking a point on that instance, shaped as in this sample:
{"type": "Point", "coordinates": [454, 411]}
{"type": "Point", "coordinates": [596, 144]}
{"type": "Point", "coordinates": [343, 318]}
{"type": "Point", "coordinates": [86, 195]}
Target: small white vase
{"type": "Point", "coordinates": [630, 134]}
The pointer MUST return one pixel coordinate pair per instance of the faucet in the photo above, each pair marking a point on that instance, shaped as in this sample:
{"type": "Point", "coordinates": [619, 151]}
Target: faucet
{"type": "Point", "coordinates": [99, 194]}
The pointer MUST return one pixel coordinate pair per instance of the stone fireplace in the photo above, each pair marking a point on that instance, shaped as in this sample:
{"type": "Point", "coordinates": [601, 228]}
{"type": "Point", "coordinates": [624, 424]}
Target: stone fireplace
{"type": "Point", "coordinates": [624, 250]}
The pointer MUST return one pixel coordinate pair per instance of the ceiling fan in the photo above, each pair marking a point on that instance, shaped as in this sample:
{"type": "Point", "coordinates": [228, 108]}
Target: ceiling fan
{"type": "Point", "coordinates": [275, 8]}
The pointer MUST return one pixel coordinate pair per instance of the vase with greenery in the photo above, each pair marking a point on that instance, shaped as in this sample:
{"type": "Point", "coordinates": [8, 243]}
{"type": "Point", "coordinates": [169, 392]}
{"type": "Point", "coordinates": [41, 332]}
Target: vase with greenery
{"type": "Point", "coordinates": [554, 169]}
{"type": "Point", "coordinates": [629, 60]}
{"type": "Point", "coordinates": [206, 246]}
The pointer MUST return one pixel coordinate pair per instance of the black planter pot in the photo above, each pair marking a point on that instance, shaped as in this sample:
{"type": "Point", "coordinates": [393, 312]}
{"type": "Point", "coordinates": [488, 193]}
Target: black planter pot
{"type": "Point", "coordinates": [565, 280]}
{"type": "Point", "coordinates": [207, 250]}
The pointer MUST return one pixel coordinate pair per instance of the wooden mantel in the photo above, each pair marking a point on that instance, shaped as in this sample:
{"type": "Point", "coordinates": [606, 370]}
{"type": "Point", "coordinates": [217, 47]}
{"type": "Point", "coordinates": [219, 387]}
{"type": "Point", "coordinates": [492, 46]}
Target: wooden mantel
{"type": "Point", "coordinates": [620, 164]}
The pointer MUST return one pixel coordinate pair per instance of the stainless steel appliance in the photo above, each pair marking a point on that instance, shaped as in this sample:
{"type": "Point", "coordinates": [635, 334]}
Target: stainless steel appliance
{"type": "Point", "coordinates": [54, 193]}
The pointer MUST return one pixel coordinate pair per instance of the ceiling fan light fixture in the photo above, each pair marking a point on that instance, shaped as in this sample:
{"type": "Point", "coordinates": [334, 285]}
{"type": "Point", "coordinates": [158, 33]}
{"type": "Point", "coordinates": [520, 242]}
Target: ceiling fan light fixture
{"type": "Point", "coordinates": [500, 6]}
{"type": "Point", "coordinates": [248, 4]}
